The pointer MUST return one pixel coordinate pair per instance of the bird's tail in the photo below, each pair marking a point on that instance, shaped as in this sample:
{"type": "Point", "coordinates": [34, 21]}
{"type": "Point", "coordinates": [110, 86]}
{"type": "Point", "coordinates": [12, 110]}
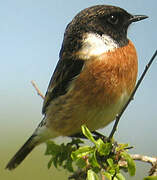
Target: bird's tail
{"type": "Point", "coordinates": [23, 152]}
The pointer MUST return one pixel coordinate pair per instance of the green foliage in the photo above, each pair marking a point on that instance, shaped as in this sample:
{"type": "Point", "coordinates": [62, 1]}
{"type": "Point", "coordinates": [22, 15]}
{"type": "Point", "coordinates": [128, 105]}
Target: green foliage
{"type": "Point", "coordinates": [130, 162]}
{"type": "Point", "coordinates": [61, 154]}
{"type": "Point", "coordinates": [91, 175]}
{"type": "Point", "coordinates": [101, 159]}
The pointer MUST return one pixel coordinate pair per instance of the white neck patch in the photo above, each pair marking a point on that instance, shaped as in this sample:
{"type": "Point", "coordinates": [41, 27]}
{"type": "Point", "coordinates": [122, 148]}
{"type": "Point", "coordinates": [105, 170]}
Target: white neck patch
{"type": "Point", "coordinates": [94, 45]}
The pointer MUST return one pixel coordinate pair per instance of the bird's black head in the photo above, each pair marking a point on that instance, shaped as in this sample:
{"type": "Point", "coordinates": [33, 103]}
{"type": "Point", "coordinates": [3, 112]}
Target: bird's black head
{"type": "Point", "coordinates": [102, 20]}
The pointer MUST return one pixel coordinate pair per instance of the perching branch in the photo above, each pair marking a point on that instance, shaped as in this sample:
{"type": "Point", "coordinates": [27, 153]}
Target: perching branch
{"type": "Point", "coordinates": [37, 89]}
{"type": "Point", "coordinates": [147, 159]}
{"type": "Point", "coordinates": [142, 158]}
{"type": "Point", "coordinates": [132, 95]}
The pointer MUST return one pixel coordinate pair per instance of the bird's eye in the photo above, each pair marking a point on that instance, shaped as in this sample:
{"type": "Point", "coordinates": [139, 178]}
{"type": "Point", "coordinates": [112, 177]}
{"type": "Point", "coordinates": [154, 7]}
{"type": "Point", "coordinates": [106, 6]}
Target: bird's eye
{"type": "Point", "coordinates": [113, 19]}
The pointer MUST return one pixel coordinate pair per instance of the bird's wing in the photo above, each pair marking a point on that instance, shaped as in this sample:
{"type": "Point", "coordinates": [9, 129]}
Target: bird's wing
{"type": "Point", "coordinates": [65, 71]}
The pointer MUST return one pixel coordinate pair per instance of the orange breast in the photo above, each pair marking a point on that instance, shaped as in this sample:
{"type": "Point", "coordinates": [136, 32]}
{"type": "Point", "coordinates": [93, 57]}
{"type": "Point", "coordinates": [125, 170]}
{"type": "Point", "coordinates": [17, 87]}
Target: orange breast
{"type": "Point", "coordinates": [97, 94]}
{"type": "Point", "coordinates": [105, 78]}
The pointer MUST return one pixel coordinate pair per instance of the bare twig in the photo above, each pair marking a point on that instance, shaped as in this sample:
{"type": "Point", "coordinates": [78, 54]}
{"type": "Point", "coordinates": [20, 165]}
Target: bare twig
{"type": "Point", "coordinates": [132, 95]}
{"type": "Point", "coordinates": [147, 159]}
{"type": "Point", "coordinates": [143, 158]}
{"type": "Point", "coordinates": [37, 89]}
{"type": "Point", "coordinates": [153, 171]}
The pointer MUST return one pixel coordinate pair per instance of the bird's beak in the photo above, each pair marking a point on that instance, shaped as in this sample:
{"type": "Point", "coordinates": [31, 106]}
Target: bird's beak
{"type": "Point", "coordinates": [136, 18]}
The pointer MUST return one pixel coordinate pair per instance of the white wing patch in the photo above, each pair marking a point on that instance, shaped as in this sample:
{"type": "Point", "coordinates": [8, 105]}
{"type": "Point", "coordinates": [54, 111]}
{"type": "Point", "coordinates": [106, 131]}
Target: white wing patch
{"type": "Point", "coordinates": [93, 45]}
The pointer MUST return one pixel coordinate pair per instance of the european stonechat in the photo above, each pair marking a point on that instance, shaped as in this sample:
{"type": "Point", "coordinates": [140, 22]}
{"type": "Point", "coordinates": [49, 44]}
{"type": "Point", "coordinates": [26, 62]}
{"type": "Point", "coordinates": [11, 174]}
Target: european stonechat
{"type": "Point", "coordinates": [95, 75]}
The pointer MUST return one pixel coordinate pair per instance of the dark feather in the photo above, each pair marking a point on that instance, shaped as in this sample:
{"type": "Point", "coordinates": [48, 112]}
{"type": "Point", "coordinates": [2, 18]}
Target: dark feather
{"type": "Point", "coordinates": [22, 153]}
{"type": "Point", "coordinates": [65, 71]}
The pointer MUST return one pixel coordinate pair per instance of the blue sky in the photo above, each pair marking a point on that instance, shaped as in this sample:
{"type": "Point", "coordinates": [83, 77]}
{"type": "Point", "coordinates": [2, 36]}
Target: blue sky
{"type": "Point", "coordinates": [31, 34]}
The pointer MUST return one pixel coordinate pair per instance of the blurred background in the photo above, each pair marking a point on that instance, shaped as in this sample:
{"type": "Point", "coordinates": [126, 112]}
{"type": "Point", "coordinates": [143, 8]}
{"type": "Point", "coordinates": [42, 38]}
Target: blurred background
{"type": "Point", "coordinates": [31, 34]}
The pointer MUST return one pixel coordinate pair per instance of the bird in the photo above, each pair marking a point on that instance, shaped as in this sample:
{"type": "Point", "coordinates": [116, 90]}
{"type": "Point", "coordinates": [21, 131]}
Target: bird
{"type": "Point", "coordinates": [93, 79]}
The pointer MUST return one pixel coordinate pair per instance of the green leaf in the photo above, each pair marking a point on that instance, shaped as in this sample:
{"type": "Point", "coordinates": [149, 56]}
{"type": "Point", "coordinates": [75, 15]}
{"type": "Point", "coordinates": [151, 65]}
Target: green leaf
{"type": "Point", "coordinates": [110, 162]}
{"type": "Point", "coordinates": [88, 134]}
{"type": "Point", "coordinates": [120, 176]}
{"type": "Point", "coordinates": [50, 163]}
{"type": "Point", "coordinates": [68, 165]}
{"type": "Point", "coordinates": [93, 160]}
{"type": "Point", "coordinates": [81, 152]}
{"type": "Point", "coordinates": [109, 176]}
{"type": "Point", "coordinates": [81, 163]}
{"type": "Point", "coordinates": [52, 148]}
{"type": "Point", "coordinates": [103, 148]}
{"type": "Point", "coordinates": [91, 175]}
{"type": "Point", "coordinates": [151, 178]}
{"type": "Point", "coordinates": [130, 163]}
{"type": "Point", "coordinates": [60, 155]}
{"type": "Point", "coordinates": [121, 147]}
